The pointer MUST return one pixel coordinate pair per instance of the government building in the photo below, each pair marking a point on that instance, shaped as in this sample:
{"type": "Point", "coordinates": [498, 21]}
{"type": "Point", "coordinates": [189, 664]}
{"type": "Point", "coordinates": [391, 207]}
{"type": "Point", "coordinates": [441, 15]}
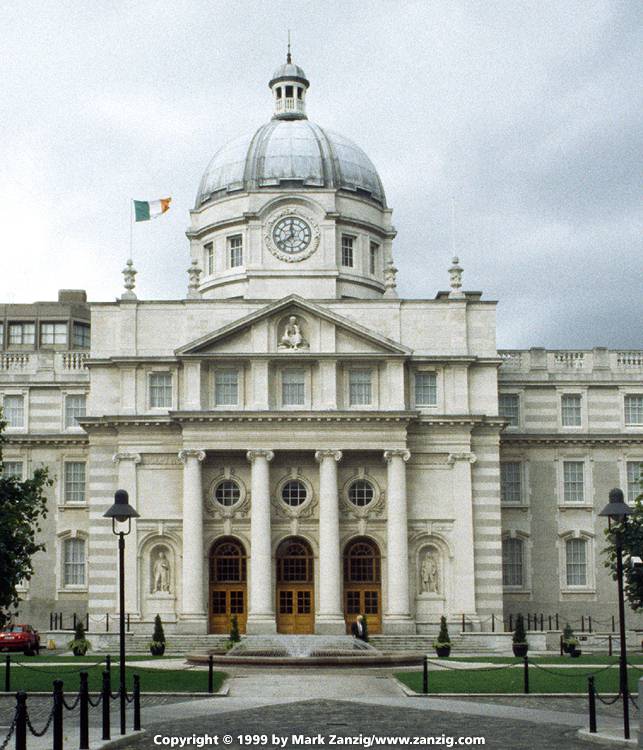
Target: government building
{"type": "Point", "coordinates": [301, 444]}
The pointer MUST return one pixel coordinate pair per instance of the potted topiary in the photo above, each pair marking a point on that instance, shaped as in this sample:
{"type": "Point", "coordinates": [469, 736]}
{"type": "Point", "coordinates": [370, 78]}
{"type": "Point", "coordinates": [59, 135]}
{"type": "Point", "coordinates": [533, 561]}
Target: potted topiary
{"type": "Point", "coordinates": [80, 644]}
{"type": "Point", "coordinates": [235, 637]}
{"type": "Point", "coordinates": [519, 638]}
{"type": "Point", "coordinates": [442, 645]}
{"type": "Point", "coordinates": [365, 626]}
{"type": "Point", "coordinates": [157, 644]}
{"type": "Point", "coordinates": [570, 642]}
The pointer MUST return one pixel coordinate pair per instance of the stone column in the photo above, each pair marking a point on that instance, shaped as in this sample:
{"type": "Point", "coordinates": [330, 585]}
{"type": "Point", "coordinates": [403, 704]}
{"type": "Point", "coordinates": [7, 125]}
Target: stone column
{"type": "Point", "coordinates": [464, 597]}
{"type": "Point", "coordinates": [329, 617]}
{"type": "Point", "coordinates": [397, 618]}
{"type": "Point", "coordinates": [193, 616]}
{"type": "Point", "coordinates": [127, 463]}
{"type": "Point", "coordinates": [261, 612]}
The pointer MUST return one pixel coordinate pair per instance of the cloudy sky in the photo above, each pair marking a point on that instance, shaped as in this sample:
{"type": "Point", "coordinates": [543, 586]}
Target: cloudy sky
{"type": "Point", "coordinates": [529, 113]}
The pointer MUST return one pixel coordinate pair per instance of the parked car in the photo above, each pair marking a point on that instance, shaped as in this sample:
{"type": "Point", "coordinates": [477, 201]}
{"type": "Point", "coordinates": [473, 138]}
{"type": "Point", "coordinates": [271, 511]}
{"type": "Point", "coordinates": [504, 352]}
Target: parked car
{"type": "Point", "coordinates": [20, 638]}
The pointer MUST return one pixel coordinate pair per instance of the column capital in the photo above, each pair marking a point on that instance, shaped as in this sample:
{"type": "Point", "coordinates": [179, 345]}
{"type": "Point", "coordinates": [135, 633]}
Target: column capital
{"type": "Point", "coordinates": [118, 457]}
{"type": "Point", "coordinates": [191, 453]}
{"type": "Point", "coordinates": [397, 453]}
{"type": "Point", "coordinates": [328, 453]}
{"type": "Point", "coordinates": [252, 455]}
{"type": "Point", "coordinates": [468, 457]}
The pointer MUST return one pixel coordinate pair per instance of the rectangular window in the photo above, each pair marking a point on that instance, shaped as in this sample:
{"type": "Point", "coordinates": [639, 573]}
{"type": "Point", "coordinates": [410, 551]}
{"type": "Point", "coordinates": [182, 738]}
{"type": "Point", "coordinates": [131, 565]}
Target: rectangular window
{"type": "Point", "coordinates": [576, 562]}
{"type": "Point", "coordinates": [74, 562]}
{"type": "Point", "coordinates": [573, 481]}
{"type": "Point", "coordinates": [373, 257]}
{"type": "Point", "coordinates": [512, 562]}
{"type": "Point", "coordinates": [74, 407]}
{"type": "Point", "coordinates": [14, 411]}
{"type": "Point", "coordinates": [511, 482]}
{"type": "Point", "coordinates": [634, 480]}
{"type": "Point", "coordinates": [75, 482]}
{"type": "Point", "coordinates": [81, 338]}
{"type": "Point", "coordinates": [12, 469]}
{"type": "Point", "coordinates": [53, 333]}
{"type": "Point", "coordinates": [359, 388]}
{"type": "Point", "coordinates": [570, 406]}
{"type": "Point", "coordinates": [22, 333]}
{"type": "Point", "coordinates": [634, 409]}
{"type": "Point", "coordinates": [347, 250]}
{"type": "Point", "coordinates": [509, 408]}
{"type": "Point", "coordinates": [226, 387]}
{"type": "Point", "coordinates": [1, 334]}
{"type": "Point", "coordinates": [293, 388]}
{"type": "Point", "coordinates": [426, 391]}
{"type": "Point", "coordinates": [161, 390]}
{"type": "Point", "coordinates": [235, 250]}
{"type": "Point", "coordinates": [209, 258]}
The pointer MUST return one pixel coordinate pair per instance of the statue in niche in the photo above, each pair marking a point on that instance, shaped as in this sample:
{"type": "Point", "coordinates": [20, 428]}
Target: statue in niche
{"type": "Point", "coordinates": [161, 573]}
{"type": "Point", "coordinates": [292, 337]}
{"type": "Point", "coordinates": [429, 574]}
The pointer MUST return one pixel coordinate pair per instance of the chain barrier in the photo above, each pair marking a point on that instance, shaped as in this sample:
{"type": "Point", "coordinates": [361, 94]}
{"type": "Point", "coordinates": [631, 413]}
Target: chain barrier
{"type": "Point", "coordinates": [73, 705]}
{"type": "Point", "coordinates": [45, 728]}
{"type": "Point", "coordinates": [129, 699]}
{"type": "Point", "coordinates": [5, 742]}
{"type": "Point", "coordinates": [633, 666]}
{"type": "Point", "coordinates": [634, 703]}
{"type": "Point", "coordinates": [605, 701]}
{"type": "Point", "coordinates": [91, 702]}
{"type": "Point", "coordinates": [474, 669]}
{"type": "Point", "coordinates": [57, 671]}
{"type": "Point", "coordinates": [570, 673]}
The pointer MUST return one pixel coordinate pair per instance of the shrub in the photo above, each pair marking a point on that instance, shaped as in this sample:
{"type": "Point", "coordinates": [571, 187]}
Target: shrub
{"type": "Point", "coordinates": [234, 630]}
{"type": "Point", "coordinates": [519, 636]}
{"type": "Point", "coordinates": [158, 637]}
{"type": "Point", "coordinates": [79, 643]}
{"type": "Point", "coordinates": [443, 636]}
{"type": "Point", "coordinates": [569, 639]}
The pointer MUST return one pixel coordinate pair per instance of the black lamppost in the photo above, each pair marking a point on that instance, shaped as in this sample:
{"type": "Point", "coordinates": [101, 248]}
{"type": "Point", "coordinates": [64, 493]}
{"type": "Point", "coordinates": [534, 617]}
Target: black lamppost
{"type": "Point", "coordinates": [121, 512]}
{"type": "Point", "coordinates": [617, 511]}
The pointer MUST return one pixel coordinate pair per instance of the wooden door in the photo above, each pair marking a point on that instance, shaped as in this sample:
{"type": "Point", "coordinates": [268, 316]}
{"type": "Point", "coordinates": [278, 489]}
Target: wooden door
{"type": "Point", "coordinates": [295, 589]}
{"type": "Point", "coordinates": [362, 584]}
{"type": "Point", "coordinates": [228, 594]}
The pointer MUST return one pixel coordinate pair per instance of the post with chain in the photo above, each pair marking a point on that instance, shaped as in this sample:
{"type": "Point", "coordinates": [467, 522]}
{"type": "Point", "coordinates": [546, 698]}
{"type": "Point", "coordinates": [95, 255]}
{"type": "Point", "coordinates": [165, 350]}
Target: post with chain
{"type": "Point", "coordinates": [58, 715]}
{"type": "Point", "coordinates": [591, 695]}
{"type": "Point", "coordinates": [21, 720]}
{"type": "Point", "coordinates": [557, 628]}
{"type": "Point", "coordinates": [84, 712]}
{"type": "Point", "coordinates": [493, 623]}
{"type": "Point", "coordinates": [526, 674]}
{"type": "Point", "coordinates": [107, 622]}
{"type": "Point", "coordinates": [609, 645]}
{"type": "Point", "coordinates": [108, 664]}
{"type": "Point", "coordinates": [106, 697]}
{"type": "Point", "coordinates": [7, 673]}
{"type": "Point", "coordinates": [425, 675]}
{"type": "Point", "coordinates": [561, 646]}
{"type": "Point", "coordinates": [210, 674]}
{"type": "Point", "coordinates": [137, 703]}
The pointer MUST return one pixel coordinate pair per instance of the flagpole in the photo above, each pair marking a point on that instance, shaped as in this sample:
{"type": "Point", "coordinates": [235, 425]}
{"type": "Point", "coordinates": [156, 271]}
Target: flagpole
{"type": "Point", "coordinates": [131, 228]}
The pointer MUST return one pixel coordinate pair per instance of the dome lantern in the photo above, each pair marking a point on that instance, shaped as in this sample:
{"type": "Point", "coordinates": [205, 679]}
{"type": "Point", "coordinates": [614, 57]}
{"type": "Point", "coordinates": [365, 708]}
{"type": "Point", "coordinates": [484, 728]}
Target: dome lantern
{"type": "Point", "coordinates": [289, 85]}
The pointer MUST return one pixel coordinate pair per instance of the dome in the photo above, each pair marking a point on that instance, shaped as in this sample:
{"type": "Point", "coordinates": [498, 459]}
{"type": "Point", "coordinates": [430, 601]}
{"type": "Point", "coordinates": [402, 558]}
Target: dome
{"type": "Point", "coordinates": [283, 153]}
{"type": "Point", "coordinates": [289, 72]}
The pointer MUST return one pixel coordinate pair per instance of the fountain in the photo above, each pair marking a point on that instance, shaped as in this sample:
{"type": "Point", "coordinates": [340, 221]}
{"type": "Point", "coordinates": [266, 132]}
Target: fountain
{"type": "Point", "coordinates": [305, 650]}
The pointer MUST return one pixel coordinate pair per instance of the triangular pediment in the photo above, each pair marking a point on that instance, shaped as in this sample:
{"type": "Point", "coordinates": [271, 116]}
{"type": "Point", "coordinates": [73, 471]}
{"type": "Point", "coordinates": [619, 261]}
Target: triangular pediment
{"type": "Point", "coordinates": [291, 325]}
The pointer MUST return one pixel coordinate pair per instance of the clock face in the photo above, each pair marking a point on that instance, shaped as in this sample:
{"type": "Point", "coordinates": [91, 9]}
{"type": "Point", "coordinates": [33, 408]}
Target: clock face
{"type": "Point", "coordinates": [291, 235]}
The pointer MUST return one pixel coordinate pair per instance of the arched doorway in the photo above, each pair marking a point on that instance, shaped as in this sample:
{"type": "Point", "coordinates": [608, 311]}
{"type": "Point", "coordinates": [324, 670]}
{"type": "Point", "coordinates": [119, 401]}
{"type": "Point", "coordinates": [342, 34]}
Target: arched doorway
{"type": "Point", "coordinates": [295, 587]}
{"type": "Point", "coordinates": [228, 589]}
{"type": "Point", "coordinates": [363, 583]}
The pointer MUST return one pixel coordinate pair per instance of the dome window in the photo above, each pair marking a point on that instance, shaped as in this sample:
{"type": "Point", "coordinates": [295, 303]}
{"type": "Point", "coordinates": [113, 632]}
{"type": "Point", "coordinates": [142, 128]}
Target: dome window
{"type": "Point", "coordinates": [278, 92]}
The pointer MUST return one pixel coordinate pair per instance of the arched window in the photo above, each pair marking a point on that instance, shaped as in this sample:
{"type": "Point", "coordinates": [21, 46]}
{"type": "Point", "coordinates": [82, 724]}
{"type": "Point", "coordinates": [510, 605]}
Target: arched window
{"type": "Point", "coordinates": [294, 562]}
{"type": "Point", "coordinates": [362, 562]}
{"type": "Point", "coordinates": [512, 562]}
{"type": "Point", "coordinates": [227, 562]}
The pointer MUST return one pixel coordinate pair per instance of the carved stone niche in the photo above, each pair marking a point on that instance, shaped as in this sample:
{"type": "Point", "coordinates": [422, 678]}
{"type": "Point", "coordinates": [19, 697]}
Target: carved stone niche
{"type": "Point", "coordinates": [431, 582]}
{"type": "Point", "coordinates": [160, 588]}
{"type": "Point", "coordinates": [292, 334]}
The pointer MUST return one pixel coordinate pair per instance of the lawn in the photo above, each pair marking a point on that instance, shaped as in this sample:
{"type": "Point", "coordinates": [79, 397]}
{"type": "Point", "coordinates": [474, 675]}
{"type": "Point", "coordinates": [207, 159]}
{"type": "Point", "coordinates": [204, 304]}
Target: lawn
{"type": "Point", "coordinates": [511, 680]}
{"type": "Point", "coordinates": [92, 658]}
{"type": "Point", "coordinates": [632, 657]}
{"type": "Point", "coordinates": [152, 680]}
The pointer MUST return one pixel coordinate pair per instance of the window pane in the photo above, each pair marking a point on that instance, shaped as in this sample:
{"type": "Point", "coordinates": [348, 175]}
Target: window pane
{"type": "Point", "coordinates": [227, 493]}
{"type": "Point", "coordinates": [22, 333]}
{"type": "Point", "coordinates": [373, 258]}
{"type": "Point", "coordinates": [511, 482]}
{"type": "Point", "coordinates": [14, 411]}
{"type": "Point", "coordinates": [12, 469]}
{"type": "Point", "coordinates": [74, 562]}
{"type": "Point", "coordinates": [235, 250]}
{"type": "Point", "coordinates": [81, 335]}
{"type": "Point", "coordinates": [53, 333]}
{"type": "Point", "coordinates": [209, 258]}
{"type": "Point", "coordinates": [512, 562]}
{"type": "Point", "coordinates": [74, 407]}
{"type": "Point", "coordinates": [347, 251]}
{"type": "Point", "coordinates": [226, 387]}
{"type": "Point", "coordinates": [161, 390]}
{"type": "Point", "coordinates": [634, 409]}
{"type": "Point", "coordinates": [1, 334]}
{"type": "Point", "coordinates": [426, 393]}
{"type": "Point", "coordinates": [576, 554]}
{"type": "Point", "coordinates": [359, 388]}
{"type": "Point", "coordinates": [75, 482]}
{"type": "Point", "coordinates": [634, 476]}
{"type": "Point", "coordinates": [360, 493]}
{"type": "Point", "coordinates": [509, 408]}
{"type": "Point", "coordinates": [293, 389]}
{"type": "Point", "coordinates": [573, 481]}
{"type": "Point", "coordinates": [570, 410]}
{"type": "Point", "coordinates": [294, 493]}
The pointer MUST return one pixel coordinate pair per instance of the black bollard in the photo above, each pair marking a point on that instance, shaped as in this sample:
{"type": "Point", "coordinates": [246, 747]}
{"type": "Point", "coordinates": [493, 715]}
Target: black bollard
{"type": "Point", "coordinates": [425, 675]}
{"type": "Point", "coordinates": [106, 699]}
{"type": "Point", "coordinates": [589, 623]}
{"type": "Point", "coordinates": [463, 622]}
{"type": "Point", "coordinates": [74, 621]}
{"type": "Point", "coordinates": [7, 673]}
{"type": "Point", "coordinates": [557, 628]}
{"type": "Point", "coordinates": [609, 645]}
{"type": "Point", "coordinates": [107, 622]}
{"type": "Point", "coordinates": [493, 623]}
{"type": "Point", "coordinates": [58, 715]}
{"type": "Point", "coordinates": [21, 720]}
{"type": "Point", "coordinates": [549, 622]}
{"type": "Point", "coordinates": [592, 705]}
{"type": "Point", "coordinates": [137, 703]}
{"type": "Point", "coordinates": [613, 628]}
{"type": "Point", "coordinates": [108, 664]}
{"type": "Point", "coordinates": [542, 622]}
{"type": "Point", "coordinates": [526, 673]}
{"type": "Point", "coordinates": [210, 674]}
{"type": "Point", "coordinates": [84, 712]}
{"type": "Point", "coordinates": [582, 624]}
{"type": "Point", "coordinates": [561, 646]}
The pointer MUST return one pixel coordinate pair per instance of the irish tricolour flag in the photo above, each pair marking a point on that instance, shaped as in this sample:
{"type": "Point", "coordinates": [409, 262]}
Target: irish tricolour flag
{"type": "Point", "coordinates": [146, 210]}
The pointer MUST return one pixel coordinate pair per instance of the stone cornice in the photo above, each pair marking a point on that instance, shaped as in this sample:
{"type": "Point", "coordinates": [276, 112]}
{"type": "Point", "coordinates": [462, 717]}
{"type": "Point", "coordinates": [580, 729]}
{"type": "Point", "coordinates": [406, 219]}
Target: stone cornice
{"type": "Point", "coordinates": [289, 416]}
{"type": "Point", "coordinates": [44, 439]}
{"type": "Point", "coordinates": [584, 439]}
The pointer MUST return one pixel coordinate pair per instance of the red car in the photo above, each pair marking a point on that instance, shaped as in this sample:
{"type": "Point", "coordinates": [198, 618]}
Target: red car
{"type": "Point", "coordinates": [20, 638]}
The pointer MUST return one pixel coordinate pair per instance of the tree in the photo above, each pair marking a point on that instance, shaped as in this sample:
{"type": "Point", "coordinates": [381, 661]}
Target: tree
{"type": "Point", "coordinates": [632, 541]}
{"type": "Point", "coordinates": [159, 634]}
{"type": "Point", "coordinates": [23, 506]}
{"type": "Point", "coordinates": [520, 636]}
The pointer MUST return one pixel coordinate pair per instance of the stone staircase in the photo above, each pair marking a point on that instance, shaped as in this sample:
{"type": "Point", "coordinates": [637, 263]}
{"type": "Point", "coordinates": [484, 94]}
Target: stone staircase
{"type": "Point", "coordinates": [469, 643]}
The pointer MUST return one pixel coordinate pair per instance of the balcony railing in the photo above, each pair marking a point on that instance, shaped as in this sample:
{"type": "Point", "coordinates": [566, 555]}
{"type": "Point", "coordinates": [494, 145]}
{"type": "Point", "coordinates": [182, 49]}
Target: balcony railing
{"type": "Point", "coordinates": [572, 361]}
{"type": "Point", "coordinates": [20, 364]}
